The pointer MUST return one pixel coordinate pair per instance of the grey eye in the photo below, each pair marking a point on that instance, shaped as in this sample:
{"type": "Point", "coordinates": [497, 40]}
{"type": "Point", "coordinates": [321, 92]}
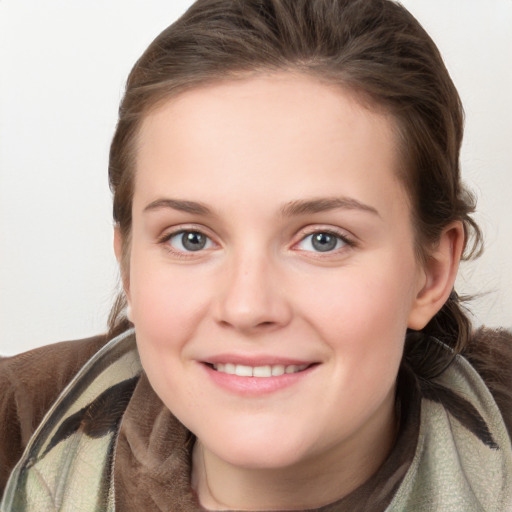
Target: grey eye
{"type": "Point", "coordinates": [193, 241]}
{"type": "Point", "coordinates": [190, 241]}
{"type": "Point", "coordinates": [321, 242]}
{"type": "Point", "coordinates": [324, 242]}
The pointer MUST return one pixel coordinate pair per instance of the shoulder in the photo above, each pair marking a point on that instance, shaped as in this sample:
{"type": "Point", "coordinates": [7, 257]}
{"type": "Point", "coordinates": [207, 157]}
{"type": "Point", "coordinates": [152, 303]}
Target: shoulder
{"type": "Point", "coordinates": [29, 384]}
{"type": "Point", "coordinates": [49, 368]}
{"type": "Point", "coordinates": [490, 353]}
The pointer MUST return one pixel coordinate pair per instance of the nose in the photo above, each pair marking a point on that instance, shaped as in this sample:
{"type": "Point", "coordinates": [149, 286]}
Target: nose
{"type": "Point", "coordinates": [253, 297]}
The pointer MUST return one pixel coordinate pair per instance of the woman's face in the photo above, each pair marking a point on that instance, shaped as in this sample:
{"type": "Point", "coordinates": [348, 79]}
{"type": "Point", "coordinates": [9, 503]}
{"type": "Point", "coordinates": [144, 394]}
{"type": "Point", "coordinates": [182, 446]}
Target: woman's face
{"type": "Point", "coordinates": [272, 271]}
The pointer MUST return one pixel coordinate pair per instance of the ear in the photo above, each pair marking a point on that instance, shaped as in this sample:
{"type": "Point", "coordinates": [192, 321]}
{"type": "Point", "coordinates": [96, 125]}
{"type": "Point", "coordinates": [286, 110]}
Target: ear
{"type": "Point", "coordinates": [439, 273]}
{"type": "Point", "coordinates": [118, 250]}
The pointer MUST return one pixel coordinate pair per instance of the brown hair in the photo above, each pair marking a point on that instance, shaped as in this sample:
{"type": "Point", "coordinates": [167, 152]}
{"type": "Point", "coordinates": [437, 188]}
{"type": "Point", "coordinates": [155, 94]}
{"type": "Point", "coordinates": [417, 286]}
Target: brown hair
{"type": "Point", "coordinates": [374, 48]}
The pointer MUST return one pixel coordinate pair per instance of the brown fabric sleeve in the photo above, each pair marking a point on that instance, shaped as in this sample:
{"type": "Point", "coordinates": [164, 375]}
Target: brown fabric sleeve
{"type": "Point", "coordinates": [490, 353]}
{"type": "Point", "coordinates": [29, 384]}
{"type": "Point", "coordinates": [10, 433]}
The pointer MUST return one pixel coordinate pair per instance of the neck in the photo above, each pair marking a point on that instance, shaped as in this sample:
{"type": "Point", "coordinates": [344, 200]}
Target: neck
{"type": "Point", "coordinates": [311, 483]}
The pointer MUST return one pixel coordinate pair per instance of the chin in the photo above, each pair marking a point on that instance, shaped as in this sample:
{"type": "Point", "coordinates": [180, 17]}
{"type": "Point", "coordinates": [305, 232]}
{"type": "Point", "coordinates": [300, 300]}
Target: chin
{"type": "Point", "coordinates": [261, 459]}
{"type": "Point", "coordinates": [259, 447]}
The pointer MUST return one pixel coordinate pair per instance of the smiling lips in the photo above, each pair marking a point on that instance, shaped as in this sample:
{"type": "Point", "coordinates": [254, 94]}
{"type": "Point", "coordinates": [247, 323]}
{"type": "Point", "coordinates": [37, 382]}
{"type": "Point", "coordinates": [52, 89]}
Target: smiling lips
{"type": "Point", "coordinates": [256, 376]}
{"type": "Point", "coordinates": [258, 371]}
{"type": "Point", "coordinates": [261, 378]}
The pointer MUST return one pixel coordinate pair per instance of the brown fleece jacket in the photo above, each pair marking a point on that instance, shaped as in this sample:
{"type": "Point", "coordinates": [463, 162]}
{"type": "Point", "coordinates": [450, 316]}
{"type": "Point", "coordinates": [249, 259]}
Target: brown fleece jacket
{"type": "Point", "coordinates": [30, 382]}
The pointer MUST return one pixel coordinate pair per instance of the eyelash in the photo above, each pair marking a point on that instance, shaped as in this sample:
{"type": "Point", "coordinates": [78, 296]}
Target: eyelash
{"type": "Point", "coordinates": [347, 242]}
{"type": "Point", "coordinates": [167, 237]}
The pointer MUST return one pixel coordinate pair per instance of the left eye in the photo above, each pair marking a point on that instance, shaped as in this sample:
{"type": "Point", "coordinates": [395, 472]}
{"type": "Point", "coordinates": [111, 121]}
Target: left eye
{"type": "Point", "coordinates": [321, 242]}
{"type": "Point", "coordinates": [189, 241]}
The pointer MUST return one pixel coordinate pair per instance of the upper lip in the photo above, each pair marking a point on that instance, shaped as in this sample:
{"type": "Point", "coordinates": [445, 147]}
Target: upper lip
{"type": "Point", "coordinates": [252, 360]}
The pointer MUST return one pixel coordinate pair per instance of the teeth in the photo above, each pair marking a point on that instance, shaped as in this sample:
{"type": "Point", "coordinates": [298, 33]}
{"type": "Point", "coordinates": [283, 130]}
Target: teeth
{"type": "Point", "coordinates": [243, 371]}
{"type": "Point", "coordinates": [262, 371]}
{"type": "Point", "coordinates": [258, 371]}
{"type": "Point", "coordinates": [277, 370]}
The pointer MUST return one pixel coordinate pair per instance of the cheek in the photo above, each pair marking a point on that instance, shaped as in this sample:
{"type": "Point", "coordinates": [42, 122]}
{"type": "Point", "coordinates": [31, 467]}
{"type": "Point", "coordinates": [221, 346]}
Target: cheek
{"type": "Point", "coordinates": [366, 333]}
{"type": "Point", "coordinates": [362, 311]}
{"type": "Point", "coordinates": [166, 302]}
{"type": "Point", "coordinates": [366, 298]}
{"type": "Point", "coordinates": [167, 306]}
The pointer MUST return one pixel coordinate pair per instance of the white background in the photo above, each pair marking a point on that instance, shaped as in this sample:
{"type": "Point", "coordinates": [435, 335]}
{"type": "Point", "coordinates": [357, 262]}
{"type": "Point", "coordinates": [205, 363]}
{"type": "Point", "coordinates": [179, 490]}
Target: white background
{"type": "Point", "coordinates": [63, 64]}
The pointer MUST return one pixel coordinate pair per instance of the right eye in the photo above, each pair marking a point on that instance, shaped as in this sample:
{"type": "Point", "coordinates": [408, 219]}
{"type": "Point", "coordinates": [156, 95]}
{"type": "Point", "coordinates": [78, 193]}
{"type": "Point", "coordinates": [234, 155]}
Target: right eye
{"type": "Point", "coordinates": [189, 241]}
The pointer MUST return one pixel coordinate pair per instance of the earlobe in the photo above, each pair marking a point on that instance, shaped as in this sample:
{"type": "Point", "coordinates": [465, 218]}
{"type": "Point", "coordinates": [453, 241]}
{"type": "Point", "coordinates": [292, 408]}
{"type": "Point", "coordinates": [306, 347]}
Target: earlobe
{"type": "Point", "coordinates": [439, 276]}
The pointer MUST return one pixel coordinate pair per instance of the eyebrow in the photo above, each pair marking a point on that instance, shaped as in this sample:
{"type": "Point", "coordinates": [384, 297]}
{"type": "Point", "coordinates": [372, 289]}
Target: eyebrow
{"type": "Point", "coordinates": [180, 205]}
{"type": "Point", "coordinates": [293, 208]}
{"type": "Point", "coordinates": [302, 207]}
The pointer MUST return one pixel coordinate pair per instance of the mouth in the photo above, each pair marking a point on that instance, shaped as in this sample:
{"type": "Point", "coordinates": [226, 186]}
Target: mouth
{"type": "Point", "coordinates": [264, 371]}
{"type": "Point", "coordinates": [261, 378]}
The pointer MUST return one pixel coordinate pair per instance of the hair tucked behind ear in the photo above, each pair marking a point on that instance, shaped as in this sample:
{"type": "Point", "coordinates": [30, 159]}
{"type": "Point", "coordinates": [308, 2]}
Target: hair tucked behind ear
{"type": "Point", "coordinates": [374, 48]}
{"type": "Point", "coordinates": [451, 326]}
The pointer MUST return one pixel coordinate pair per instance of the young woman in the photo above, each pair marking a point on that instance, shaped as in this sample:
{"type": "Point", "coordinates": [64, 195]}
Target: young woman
{"type": "Point", "coordinates": [289, 223]}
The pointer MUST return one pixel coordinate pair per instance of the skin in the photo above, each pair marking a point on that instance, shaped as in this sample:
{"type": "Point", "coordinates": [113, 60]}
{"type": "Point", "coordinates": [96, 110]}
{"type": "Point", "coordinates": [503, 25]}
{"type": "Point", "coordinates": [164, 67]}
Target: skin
{"type": "Point", "coordinates": [233, 161]}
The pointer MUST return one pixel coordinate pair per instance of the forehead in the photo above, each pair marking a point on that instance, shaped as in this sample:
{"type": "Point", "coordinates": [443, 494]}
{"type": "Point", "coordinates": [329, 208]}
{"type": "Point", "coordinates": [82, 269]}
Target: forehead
{"type": "Point", "coordinates": [263, 131]}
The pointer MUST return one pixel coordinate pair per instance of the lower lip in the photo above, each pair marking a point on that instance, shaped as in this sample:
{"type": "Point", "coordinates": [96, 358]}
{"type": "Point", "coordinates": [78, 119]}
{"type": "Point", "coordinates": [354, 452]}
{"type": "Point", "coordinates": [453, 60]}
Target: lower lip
{"type": "Point", "coordinates": [256, 386]}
